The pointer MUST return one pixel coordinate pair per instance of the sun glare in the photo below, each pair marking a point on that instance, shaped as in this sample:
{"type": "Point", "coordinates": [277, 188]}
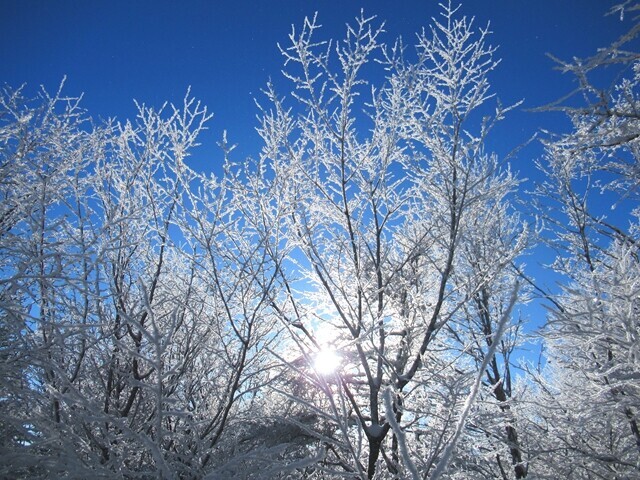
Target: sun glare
{"type": "Point", "coordinates": [326, 362]}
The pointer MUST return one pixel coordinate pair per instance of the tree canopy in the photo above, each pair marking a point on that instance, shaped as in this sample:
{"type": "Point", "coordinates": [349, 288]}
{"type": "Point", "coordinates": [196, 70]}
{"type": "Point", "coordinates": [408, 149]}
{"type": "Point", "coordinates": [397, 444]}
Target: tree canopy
{"type": "Point", "coordinates": [351, 303]}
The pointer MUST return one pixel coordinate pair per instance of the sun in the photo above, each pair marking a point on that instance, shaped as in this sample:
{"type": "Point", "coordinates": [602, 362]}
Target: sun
{"type": "Point", "coordinates": [326, 362]}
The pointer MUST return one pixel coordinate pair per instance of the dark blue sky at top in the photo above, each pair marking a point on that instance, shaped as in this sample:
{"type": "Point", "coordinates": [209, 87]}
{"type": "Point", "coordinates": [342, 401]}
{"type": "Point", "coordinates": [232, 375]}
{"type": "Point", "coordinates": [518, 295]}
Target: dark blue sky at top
{"type": "Point", "coordinates": [226, 50]}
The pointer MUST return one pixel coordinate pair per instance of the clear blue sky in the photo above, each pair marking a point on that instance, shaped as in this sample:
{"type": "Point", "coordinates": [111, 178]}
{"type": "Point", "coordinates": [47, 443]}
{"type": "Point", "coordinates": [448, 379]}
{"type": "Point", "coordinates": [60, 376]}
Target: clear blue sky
{"type": "Point", "coordinates": [152, 50]}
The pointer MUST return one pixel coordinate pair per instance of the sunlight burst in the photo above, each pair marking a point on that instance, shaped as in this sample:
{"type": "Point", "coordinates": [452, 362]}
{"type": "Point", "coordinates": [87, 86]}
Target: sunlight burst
{"type": "Point", "coordinates": [326, 362]}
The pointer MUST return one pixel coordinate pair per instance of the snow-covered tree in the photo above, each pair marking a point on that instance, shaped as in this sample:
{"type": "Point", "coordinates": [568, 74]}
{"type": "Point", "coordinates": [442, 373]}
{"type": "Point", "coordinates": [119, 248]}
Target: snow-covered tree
{"type": "Point", "coordinates": [588, 405]}
{"type": "Point", "coordinates": [382, 188]}
{"type": "Point", "coordinates": [134, 296]}
{"type": "Point", "coordinates": [487, 271]}
{"type": "Point", "coordinates": [347, 304]}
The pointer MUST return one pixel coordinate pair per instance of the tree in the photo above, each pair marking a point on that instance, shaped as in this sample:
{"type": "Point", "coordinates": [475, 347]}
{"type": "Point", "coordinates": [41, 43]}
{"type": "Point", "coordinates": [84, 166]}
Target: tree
{"type": "Point", "coordinates": [378, 200]}
{"type": "Point", "coordinates": [134, 297]}
{"type": "Point", "coordinates": [589, 393]}
{"type": "Point", "coordinates": [348, 304]}
{"type": "Point", "coordinates": [487, 273]}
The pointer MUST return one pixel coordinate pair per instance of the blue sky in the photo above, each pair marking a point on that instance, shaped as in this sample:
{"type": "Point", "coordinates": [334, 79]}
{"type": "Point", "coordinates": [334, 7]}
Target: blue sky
{"type": "Point", "coordinates": [115, 51]}
{"type": "Point", "coordinates": [226, 50]}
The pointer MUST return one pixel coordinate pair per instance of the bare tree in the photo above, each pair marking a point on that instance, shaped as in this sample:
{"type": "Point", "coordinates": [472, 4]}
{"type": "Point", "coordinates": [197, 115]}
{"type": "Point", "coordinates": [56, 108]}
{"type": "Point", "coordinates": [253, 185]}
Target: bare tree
{"type": "Point", "coordinates": [589, 392]}
{"type": "Point", "coordinates": [134, 297]}
{"type": "Point", "coordinates": [345, 305]}
{"type": "Point", "coordinates": [487, 274]}
{"type": "Point", "coordinates": [379, 197]}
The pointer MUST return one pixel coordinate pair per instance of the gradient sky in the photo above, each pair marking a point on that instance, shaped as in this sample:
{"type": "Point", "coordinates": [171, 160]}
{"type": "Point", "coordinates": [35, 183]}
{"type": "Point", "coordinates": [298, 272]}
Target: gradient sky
{"type": "Point", "coordinates": [226, 50]}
